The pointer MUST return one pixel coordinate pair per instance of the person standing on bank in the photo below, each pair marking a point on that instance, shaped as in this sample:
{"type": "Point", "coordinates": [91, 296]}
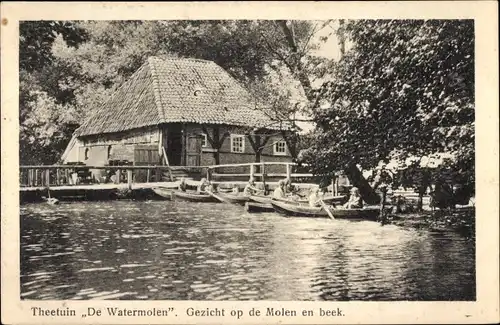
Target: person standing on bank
{"type": "Point", "coordinates": [382, 178]}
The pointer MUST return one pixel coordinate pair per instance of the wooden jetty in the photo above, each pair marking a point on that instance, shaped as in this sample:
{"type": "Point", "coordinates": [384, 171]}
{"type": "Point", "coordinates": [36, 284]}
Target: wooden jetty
{"type": "Point", "coordinates": [76, 182]}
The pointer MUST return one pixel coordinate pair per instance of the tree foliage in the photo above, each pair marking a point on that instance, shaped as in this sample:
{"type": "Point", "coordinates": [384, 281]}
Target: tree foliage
{"type": "Point", "coordinates": [405, 86]}
{"type": "Point", "coordinates": [69, 68]}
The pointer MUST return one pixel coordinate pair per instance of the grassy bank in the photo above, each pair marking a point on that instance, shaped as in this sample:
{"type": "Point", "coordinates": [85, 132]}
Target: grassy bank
{"type": "Point", "coordinates": [459, 220]}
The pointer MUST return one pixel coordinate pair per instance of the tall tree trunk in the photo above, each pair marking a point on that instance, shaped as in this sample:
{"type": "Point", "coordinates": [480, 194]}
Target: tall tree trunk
{"type": "Point", "coordinates": [217, 157]}
{"type": "Point", "coordinates": [217, 144]}
{"type": "Point", "coordinates": [257, 155]}
{"type": "Point", "coordinates": [357, 179]}
{"type": "Point", "coordinates": [295, 64]}
{"type": "Point", "coordinates": [341, 37]}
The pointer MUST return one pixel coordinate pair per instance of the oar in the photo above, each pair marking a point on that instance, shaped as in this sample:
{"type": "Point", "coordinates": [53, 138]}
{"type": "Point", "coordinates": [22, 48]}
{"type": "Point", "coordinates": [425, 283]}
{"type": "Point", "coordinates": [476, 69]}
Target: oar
{"type": "Point", "coordinates": [323, 205]}
{"type": "Point", "coordinates": [217, 197]}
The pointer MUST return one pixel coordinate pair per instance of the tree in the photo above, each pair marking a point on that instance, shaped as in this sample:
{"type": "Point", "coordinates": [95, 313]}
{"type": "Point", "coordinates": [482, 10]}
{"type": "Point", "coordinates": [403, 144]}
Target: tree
{"type": "Point", "coordinates": [42, 136]}
{"type": "Point", "coordinates": [74, 66]}
{"type": "Point", "coordinates": [405, 85]}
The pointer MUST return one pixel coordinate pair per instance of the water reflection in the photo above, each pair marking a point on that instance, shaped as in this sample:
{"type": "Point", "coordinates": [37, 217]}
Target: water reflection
{"type": "Point", "coordinates": [205, 251]}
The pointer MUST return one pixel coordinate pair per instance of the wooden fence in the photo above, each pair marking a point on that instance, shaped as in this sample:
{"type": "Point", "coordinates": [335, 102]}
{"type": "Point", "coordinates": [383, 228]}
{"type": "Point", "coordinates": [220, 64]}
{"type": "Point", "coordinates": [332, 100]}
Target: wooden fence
{"type": "Point", "coordinates": [63, 175]}
{"type": "Point", "coordinates": [60, 175]}
{"type": "Point", "coordinates": [257, 171]}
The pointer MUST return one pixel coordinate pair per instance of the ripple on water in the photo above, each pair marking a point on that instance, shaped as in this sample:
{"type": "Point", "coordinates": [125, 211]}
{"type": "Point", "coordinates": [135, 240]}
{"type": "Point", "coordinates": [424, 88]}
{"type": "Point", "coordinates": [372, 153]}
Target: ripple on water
{"type": "Point", "coordinates": [181, 250]}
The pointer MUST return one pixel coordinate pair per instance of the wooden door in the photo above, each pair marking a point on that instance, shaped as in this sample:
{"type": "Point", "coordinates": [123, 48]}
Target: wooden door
{"type": "Point", "coordinates": [193, 150]}
{"type": "Point", "coordinates": [146, 156]}
{"type": "Point", "coordinates": [174, 146]}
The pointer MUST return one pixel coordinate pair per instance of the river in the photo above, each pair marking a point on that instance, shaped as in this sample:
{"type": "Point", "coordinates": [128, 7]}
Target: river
{"type": "Point", "coordinates": [164, 250]}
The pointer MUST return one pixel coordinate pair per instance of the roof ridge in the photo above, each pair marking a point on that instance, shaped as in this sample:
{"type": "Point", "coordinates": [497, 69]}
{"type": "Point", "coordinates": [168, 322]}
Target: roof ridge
{"type": "Point", "coordinates": [156, 88]}
{"type": "Point", "coordinates": [176, 58]}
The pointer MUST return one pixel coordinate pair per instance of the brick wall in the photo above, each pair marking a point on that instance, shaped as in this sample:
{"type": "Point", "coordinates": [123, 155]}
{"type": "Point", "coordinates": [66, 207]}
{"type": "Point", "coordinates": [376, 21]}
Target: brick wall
{"type": "Point", "coordinates": [248, 156]}
{"type": "Point", "coordinates": [122, 147]}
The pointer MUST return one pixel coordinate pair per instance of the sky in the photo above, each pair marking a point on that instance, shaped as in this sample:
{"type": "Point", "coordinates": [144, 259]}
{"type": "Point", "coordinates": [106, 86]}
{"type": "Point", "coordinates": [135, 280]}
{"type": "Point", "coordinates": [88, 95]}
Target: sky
{"type": "Point", "coordinates": [329, 49]}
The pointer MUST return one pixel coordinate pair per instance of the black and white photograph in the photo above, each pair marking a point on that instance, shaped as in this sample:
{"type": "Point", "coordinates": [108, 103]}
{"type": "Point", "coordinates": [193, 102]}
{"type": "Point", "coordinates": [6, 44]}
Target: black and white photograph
{"type": "Point", "coordinates": [247, 160]}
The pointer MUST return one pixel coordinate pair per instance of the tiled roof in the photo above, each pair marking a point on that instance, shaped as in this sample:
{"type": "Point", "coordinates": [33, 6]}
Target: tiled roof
{"type": "Point", "coordinates": [176, 90]}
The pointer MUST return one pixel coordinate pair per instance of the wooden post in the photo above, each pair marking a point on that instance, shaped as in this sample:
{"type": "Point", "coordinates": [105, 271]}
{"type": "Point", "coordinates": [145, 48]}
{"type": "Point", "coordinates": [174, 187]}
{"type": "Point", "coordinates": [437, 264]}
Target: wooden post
{"type": "Point", "coordinates": [118, 176]}
{"type": "Point", "coordinates": [148, 175]}
{"type": "Point", "coordinates": [30, 178]}
{"type": "Point", "coordinates": [263, 171]}
{"type": "Point", "coordinates": [382, 216]}
{"type": "Point", "coordinates": [129, 178]}
{"type": "Point", "coordinates": [58, 176]}
{"type": "Point", "coordinates": [36, 177]}
{"type": "Point", "coordinates": [47, 177]}
{"type": "Point", "coordinates": [66, 176]}
{"type": "Point", "coordinates": [289, 171]}
{"type": "Point", "coordinates": [208, 174]}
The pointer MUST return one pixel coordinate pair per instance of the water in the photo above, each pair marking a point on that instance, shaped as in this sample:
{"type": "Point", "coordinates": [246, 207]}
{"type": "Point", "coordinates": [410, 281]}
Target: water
{"type": "Point", "coordinates": [210, 251]}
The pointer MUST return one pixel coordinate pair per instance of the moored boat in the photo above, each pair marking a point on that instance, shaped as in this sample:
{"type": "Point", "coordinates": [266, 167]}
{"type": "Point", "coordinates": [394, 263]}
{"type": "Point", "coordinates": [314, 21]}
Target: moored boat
{"type": "Point", "coordinates": [258, 207]}
{"type": "Point", "coordinates": [261, 199]}
{"type": "Point", "coordinates": [267, 200]}
{"type": "Point", "coordinates": [318, 212]}
{"type": "Point", "coordinates": [163, 192]}
{"type": "Point", "coordinates": [334, 199]}
{"type": "Point", "coordinates": [193, 197]}
{"type": "Point", "coordinates": [235, 199]}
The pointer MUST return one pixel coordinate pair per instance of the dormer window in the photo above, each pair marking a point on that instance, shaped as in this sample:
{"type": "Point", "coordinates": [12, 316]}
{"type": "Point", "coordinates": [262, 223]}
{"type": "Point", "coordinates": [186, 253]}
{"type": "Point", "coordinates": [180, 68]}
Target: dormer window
{"type": "Point", "coordinates": [198, 90]}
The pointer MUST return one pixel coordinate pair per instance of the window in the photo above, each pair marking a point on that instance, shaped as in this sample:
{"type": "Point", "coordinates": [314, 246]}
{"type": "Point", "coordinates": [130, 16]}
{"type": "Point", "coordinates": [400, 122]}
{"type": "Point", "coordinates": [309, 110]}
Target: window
{"type": "Point", "coordinates": [87, 153]}
{"type": "Point", "coordinates": [237, 143]}
{"type": "Point", "coordinates": [280, 148]}
{"type": "Point", "coordinates": [204, 141]}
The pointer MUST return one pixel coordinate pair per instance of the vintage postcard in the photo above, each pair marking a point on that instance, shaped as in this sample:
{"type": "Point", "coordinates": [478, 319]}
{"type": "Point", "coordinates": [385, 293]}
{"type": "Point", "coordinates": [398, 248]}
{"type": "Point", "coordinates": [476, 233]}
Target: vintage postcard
{"type": "Point", "coordinates": [250, 162]}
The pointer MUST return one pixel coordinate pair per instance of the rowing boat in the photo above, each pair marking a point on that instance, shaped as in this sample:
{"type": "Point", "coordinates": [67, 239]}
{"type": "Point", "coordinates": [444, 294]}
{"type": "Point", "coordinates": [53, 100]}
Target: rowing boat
{"type": "Point", "coordinates": [193, 197]}
{"type": "Point", "coordinates": [268, 199]}
{"type": "Point", "coordinates": [163, 192]}
{"type": "Point", "coordinates": [334, 199]}
{"type": "Point", "coordinates": [261, 199]}
{"type": "Point", "coordinates": [258, 207]}
{"type": "Point", "coordinates": [235, 199]}
{"type": "Point", "coordinates": [319, 212]}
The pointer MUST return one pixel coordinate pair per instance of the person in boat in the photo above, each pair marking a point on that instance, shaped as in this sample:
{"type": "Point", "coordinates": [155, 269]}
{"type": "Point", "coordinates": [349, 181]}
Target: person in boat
{"type": "Point", "coordinates": [291, 190]}
{"type": "Point", "coordinates": [205, 186]}
{"type": "Point", "coordinates": [250, 188]}
{"type": "Point", "coordinates": [182, 185]}
{"type": "Point", "coordinates": [236, 190]}
{"type": "Point", "coordinates": [315, 198]}
{"type": "Point", "coordinates": [279, 192]}
{"type": "Point", "coordinates": [355, 200]}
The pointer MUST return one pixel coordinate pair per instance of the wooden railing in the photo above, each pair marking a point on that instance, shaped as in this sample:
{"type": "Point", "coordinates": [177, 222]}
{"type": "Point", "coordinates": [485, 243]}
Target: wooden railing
{"type": "Point", "coordinates": [62, 175]}
{"type": "Point", "coordinates": [262, 174]}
